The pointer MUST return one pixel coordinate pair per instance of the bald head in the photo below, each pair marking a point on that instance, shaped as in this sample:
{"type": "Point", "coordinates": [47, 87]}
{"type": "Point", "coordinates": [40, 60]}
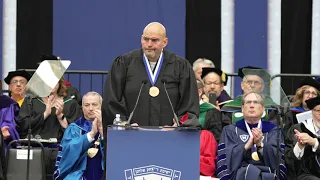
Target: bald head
{"type": "Point", "coordinates": [155, 27]}
{"type": "Point", "coordinates": [153, 40]}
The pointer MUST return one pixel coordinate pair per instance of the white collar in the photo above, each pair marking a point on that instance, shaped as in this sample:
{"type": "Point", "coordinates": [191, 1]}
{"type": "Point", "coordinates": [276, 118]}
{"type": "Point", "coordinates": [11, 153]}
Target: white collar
{"type": "Point", "coordinates": [310, 125]}
{"type": "Point", "coordinates": [201, 101]}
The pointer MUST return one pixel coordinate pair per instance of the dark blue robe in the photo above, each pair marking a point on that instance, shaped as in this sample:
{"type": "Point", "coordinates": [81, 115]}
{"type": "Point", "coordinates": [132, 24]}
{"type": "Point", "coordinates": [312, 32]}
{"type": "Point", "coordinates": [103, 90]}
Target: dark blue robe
{"type": "Point", "coordinates": [72, 161]}
{"type": "Point", "coordinates": [235, 163]}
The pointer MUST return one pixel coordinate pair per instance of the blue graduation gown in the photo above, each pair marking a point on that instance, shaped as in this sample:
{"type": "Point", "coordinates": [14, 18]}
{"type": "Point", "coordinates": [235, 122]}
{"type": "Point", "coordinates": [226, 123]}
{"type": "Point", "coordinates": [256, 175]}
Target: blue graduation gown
{"type": "Point", "coordinates": [72, 160]}
{"type": "Point", "coordinates": [235, 163]}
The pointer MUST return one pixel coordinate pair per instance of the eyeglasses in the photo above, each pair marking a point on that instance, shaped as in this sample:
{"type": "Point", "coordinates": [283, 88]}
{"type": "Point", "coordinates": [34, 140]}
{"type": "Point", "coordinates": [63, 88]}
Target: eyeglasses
{"type": "Point", "coordinates": [312, 93]}
{"type": "Point", "coordinates": [249, 102]}
{"type": "Point", "coordinates": [212, 83]}
{"type": "Point", "coordinates": [153, 40]}
{"type": "Point", "coordinates": [22, 82]}
{"type": "Point", "coordinates": [250, 82]}
{"type": "Point", "coordinates": [316, 111]}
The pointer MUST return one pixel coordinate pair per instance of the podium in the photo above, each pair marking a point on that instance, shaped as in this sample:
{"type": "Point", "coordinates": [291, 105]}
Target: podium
{"type": "Point", "coordinates": [153, 154]}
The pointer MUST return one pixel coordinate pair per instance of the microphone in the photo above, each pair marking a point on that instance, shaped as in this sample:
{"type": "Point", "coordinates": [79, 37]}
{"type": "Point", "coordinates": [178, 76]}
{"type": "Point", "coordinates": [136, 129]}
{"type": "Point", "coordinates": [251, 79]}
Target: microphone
{"type": "Point", "coordinates": [143, 82]}
{"type": "Point", "coordinates": [174, 114]}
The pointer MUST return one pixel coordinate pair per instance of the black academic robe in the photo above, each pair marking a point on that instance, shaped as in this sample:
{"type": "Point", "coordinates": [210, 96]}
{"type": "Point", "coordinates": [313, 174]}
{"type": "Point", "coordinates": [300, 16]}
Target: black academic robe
{"type": "Point", "coordinates": [124, 81]}
{"type": "Point", "coordinates": [234, 162]}
{"type": "Point", "coordinates": [49, 127]}
{"type": "Point", "coordinates": [290, 118]}
{"type": "Point", "coordinates": [213, 123]}
{"type": "Point", "coordinates": [309, 162]}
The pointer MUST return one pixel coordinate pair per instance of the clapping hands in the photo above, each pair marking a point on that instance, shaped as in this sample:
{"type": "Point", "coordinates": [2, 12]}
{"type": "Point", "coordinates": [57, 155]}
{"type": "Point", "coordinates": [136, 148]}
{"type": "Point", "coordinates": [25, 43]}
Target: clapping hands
{"type": "Point", "coordinates": [303, 139]}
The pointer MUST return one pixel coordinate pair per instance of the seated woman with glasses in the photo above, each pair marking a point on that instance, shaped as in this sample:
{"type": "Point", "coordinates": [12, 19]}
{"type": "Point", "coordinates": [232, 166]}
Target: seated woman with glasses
{"type": "Point", "coordinates": [302, 152]}
{"type": "Point", "coordinates": [309, 88]}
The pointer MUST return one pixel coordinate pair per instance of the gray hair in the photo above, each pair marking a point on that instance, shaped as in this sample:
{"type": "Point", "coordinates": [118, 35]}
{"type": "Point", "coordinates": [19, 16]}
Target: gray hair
{"type": "Point", "coordinates": [92, 93]}
{"type": "Point", "coordinates": [260, 97]}
{"type": "Point", "coordinates": [203, 61]}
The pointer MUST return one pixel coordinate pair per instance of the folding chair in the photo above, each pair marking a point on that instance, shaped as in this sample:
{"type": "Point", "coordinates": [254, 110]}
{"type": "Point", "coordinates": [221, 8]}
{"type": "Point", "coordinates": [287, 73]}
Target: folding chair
{"type": "Point", "coordinates": [16, 162]}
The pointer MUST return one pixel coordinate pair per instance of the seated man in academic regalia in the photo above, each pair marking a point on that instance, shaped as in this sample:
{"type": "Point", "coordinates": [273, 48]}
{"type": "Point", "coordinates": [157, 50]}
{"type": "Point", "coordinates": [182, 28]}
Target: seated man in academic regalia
{"type": "Point", "coordinates": [9, 112]}
{"type": "Point", "coordinates": [214, 80]}
{"type": "Point", "coordinates": [210, 116]}
{"type": "Point", "coordinates": [302, 146]}
{"type": "Point", "coordinates": [248, 148]}
{"type": "Point", "coordinates": [253, 80]}
{"type": "Point", "coordinates": [17, 81]}
{"type": "Point", "coordinates": [81, 153]}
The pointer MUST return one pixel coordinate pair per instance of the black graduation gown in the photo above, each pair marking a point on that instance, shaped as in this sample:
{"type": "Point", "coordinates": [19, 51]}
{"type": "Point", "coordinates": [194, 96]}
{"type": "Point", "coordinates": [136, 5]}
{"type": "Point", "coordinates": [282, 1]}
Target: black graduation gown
{"type": "Point", "coordinates": [124, 81]}
{"type": "Point", "coordinates": [73, 91]}
{"type": "Point", "coordinates": [50, 127]}
{"type": "Point", "coordinates": [290, 119]}
{"type": "Point", "coordinates": [308, 164]}
{"type": "Point", "coordinates": [213, 123]}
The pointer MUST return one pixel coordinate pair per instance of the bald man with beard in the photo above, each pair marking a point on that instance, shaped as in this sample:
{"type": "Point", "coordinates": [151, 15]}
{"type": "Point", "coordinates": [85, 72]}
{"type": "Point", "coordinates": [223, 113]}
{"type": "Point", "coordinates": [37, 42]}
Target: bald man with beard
{"type": "Point", "coordinates": [152, 65]}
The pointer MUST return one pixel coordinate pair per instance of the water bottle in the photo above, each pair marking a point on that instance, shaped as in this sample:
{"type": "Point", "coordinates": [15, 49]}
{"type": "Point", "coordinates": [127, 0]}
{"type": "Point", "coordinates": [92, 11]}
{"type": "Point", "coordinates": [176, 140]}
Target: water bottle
{"type": "Point", "coordinates": [117, 121]}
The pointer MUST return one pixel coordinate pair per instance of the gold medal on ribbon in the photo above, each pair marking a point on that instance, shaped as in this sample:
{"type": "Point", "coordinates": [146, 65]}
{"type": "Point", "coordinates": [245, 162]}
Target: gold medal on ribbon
{"type": "Point", "coordinates": [154, 91]}
{"type": "Point", "coordinates": [255, 156]}
{"type": "Point", "coordinates": [92, 152]}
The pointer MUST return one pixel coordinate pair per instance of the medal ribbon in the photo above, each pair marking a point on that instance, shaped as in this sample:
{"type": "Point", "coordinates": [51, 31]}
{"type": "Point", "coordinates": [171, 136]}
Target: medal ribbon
{"type": "Point", "coordinates": [249, 130]}
{"type": "Point", "coordinates": [153, 76]}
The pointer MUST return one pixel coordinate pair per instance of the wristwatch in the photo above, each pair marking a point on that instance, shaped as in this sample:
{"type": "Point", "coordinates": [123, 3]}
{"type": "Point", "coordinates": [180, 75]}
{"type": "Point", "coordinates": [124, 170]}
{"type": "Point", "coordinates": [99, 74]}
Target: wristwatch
{"type": "Point", "coordinates": [62, 117]}
{"type": "Point", "coordinates": [260, 147]}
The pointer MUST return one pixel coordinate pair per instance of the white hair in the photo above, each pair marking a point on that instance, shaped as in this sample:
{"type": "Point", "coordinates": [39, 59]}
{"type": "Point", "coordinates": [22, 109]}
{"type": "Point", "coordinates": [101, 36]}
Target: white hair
{"type": "Point", "coordinates": [92, 93]}
{"type": "Point", "coordinates": [202, 61]}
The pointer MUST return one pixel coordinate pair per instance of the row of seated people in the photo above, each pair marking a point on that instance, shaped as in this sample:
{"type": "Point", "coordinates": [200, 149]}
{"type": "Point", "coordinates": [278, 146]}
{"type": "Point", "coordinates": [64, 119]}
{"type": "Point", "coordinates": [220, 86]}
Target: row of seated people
{"type": "Point", "coordinates": [211, 118]}
{"type": "Point", "coordinates": [52, 117]}
{"type": "Point", "coordinates": [57, 116]}
{"type": "Point", "coordinates": [217, 116]}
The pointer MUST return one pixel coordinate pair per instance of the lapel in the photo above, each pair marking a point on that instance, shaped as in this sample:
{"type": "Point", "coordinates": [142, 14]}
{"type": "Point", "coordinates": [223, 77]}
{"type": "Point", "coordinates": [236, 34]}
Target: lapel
{"type": "Point", "coordinates": [266, 126]}
{"type": "Point", "coordinates": [307, 126]}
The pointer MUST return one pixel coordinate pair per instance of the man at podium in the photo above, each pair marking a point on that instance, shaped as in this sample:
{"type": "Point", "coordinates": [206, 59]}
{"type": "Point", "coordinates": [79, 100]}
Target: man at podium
{"type": "Point", "coordinates": [249, 146]}
{"type": "Point", "coordinates": [80, 153]}
{"type": "Point", "coordinates": [151, 70]}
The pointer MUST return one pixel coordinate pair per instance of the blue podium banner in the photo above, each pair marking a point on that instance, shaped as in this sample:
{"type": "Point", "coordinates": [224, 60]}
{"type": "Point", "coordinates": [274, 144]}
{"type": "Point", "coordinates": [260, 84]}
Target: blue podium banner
{"type": "Point", "coordinates": [153, 155]}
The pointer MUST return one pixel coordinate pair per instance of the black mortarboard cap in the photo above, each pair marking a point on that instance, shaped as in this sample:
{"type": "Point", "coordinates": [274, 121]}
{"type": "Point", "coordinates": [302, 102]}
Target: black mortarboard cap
{"type": "Point", "coordinates": [207, 70]}
{"type": "Point", "coordinates": [12, 74]}
{"type": "Point", "coordinates": [250, 70]}
{"type": "Point", "coordinates": [48, 57]}
{"type": "Point", "coordinates": [311, 82]}
{"type": "Point", "coordinates": [311, 103]}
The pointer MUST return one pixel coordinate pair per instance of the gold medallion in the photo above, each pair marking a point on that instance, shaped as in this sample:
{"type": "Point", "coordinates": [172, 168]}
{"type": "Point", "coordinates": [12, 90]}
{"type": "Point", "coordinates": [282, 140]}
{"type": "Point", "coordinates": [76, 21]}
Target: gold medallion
{"type": "Point", "coordinates": [154, 91]}
{"type": "Point", "coordinates": [92, 152]}
{"type": "Point", "coordinates": [255, 156]}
